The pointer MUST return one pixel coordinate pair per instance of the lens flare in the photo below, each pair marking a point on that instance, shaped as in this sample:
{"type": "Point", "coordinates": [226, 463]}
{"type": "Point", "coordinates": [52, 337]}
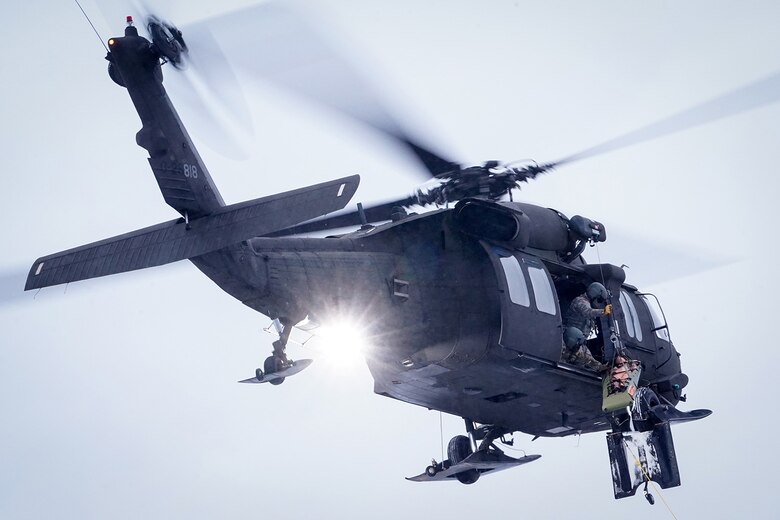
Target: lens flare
{"type": "Point", "coordinates": [342, 342]}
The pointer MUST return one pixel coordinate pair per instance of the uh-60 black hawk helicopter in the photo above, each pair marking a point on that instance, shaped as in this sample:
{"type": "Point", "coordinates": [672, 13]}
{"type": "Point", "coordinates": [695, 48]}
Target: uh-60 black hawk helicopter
{"type": "Point", "coordinates": [469, 298]}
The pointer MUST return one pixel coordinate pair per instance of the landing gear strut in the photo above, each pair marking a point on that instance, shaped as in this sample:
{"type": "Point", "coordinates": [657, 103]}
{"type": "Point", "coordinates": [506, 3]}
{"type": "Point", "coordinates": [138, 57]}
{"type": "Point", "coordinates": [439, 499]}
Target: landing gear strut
{"type": "Point", "coordinates": [278, 360]}
{"type": "Point", "coordinates": [465, 463]}
{"type": "Point", "coordinates": [277, 367]}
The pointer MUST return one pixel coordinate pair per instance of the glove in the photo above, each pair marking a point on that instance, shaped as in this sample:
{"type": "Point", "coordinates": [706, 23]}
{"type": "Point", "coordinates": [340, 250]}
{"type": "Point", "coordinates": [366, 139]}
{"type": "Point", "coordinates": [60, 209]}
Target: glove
{"type": "Point", "coordinates": [608, 309]}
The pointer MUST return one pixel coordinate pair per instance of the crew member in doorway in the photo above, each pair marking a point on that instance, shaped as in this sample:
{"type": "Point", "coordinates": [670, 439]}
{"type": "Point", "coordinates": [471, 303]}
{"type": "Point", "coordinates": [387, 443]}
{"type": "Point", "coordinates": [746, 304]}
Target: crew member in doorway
{"type": "Point", "coordinates": [576, 352]}
{"type": "Point", "coordinates": [585, 308]}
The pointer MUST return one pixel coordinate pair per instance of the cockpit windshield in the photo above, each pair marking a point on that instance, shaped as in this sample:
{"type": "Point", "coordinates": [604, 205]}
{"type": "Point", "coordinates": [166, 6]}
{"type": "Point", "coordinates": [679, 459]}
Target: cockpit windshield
{"type": "Point", "coordinates": [659, 321]}
{"type": "Point", "coordinates": [632, 318]}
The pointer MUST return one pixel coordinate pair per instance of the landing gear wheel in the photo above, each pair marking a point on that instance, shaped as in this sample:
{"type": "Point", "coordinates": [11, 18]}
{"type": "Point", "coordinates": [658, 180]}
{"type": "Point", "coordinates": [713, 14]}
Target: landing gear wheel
{"type": "Point", "coordinates": [431, 471]}
{"type": "Point", "coordinates": [273, 364]}
{"type": "Point", "coordinates": [458, 449]}
{"type": "Point", "coordinates": [259, 374]}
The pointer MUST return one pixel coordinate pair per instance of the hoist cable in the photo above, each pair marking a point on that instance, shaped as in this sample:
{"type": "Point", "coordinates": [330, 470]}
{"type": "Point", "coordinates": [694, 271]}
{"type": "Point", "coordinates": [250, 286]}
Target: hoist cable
{"type": "Point", "coordinates": [601, 267]}
{"type": "Point", "coordinates": [647, 478]}
{"type": "Point", "coordinates": [604, 283]}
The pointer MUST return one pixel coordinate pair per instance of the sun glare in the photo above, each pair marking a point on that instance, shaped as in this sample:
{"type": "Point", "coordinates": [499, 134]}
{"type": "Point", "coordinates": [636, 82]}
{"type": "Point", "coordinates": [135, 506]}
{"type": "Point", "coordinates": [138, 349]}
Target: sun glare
{"type": "Point", "coordinates": [342, 342]}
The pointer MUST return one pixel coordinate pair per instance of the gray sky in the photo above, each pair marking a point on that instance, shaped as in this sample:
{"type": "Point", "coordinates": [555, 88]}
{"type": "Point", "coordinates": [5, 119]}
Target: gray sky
{"type": "Point", "coordinates": [119, 397]}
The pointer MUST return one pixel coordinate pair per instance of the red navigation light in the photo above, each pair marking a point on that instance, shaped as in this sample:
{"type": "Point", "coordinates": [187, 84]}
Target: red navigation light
{"type": "Point", "coordinates": [129, 20]}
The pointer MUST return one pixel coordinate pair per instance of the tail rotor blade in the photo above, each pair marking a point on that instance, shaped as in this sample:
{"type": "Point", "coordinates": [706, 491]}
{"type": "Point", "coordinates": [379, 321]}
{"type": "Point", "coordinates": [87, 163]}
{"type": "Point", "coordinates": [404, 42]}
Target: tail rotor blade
{"type": "Point", "coordinates": [206, 90]}
{"type": "Point", "coordinates": [211, 67]}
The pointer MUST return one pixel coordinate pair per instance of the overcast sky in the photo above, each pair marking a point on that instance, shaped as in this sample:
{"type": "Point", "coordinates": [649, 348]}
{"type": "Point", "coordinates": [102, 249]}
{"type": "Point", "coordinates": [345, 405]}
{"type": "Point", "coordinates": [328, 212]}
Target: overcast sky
{"type": "Point", "coordinates": [119, 396]}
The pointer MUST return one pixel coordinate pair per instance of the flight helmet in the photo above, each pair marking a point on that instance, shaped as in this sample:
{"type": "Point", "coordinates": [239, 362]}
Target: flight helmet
{"type": "Point", "coordinates": [597, 294]}
{"type": "Point", "coordinates": [573, 338]}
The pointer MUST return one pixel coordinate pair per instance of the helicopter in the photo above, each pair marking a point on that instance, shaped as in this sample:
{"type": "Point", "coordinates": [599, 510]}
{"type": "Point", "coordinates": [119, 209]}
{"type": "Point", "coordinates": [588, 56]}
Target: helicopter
{"type": "Point", "coordinates": [399, 288]}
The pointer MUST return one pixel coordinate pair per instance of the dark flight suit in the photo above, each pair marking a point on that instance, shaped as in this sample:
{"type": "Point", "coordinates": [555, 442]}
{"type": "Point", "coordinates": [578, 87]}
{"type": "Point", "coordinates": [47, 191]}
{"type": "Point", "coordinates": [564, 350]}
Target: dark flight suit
{"type": "Point", "coordinates": [581, 315]}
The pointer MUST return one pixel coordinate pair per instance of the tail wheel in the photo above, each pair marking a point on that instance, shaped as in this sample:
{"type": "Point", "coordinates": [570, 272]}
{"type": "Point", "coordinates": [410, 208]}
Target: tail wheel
{"type": "Point", "coordinates": [457, 450]}
{"type": "Point", "coordinates": [272, 365]}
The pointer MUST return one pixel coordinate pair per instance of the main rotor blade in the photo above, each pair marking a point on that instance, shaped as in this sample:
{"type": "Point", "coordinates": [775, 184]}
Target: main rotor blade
{"type": "Point", "coordinates": [377, 213]}
{"type": "Point", "coordinates": [275, 44]}
{"type": "Point", "coordinates": [645, 253]}
{"type": "Point", "coordinates": [749, 97]}
{"type": "Point", "coordinates": [12, 285]}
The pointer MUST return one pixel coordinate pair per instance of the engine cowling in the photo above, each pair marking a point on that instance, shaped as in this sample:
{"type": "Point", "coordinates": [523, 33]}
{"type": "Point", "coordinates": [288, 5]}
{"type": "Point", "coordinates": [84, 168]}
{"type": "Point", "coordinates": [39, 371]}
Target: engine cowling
{"type": "Point", "coordinates": [520, 225]}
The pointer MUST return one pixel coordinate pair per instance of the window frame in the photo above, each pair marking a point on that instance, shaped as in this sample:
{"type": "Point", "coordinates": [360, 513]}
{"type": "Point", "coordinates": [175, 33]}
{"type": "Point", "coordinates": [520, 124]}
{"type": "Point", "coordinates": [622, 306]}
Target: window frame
{"type": "Point", "coordinates": [542, 285]}
{"type": "Point", "coordinates": [633, 315]}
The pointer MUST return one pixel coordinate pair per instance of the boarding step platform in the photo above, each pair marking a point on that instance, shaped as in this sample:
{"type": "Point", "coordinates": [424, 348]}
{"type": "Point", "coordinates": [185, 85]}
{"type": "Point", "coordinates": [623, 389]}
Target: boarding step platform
{"type": "Point", "coordinates": [485, 461]}
{"type": "Point", "coordinates": [269, 377]}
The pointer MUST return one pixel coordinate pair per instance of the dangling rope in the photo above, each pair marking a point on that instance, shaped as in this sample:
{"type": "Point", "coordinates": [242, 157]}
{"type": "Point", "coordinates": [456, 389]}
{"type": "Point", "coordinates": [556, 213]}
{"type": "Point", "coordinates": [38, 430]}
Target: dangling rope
{"type": "Point", "coordinates": [441, 434]}
{"type": "Point", "coordinates": [647, 479]}
{"type": "Point", "coordinates": [92, 25]}
{"type": "Point", "coordinates": [601, 267]}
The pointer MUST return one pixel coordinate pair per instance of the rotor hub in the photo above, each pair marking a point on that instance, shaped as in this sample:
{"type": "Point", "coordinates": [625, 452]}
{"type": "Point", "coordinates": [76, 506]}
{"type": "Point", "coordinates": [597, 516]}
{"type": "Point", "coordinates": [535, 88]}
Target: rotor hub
{"type": "Point", "coordinates": [168, 41]}
{"type": "Point", "coordinates": [490, 181]}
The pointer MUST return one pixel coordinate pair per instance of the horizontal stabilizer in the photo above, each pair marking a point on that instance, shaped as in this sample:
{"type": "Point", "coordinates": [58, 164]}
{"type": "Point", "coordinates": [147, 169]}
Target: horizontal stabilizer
{"type": "Point", "coordinates": [175, 240]}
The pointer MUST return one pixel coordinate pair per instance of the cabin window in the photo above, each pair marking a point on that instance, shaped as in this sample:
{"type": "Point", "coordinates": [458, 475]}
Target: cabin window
{"type": "Point", "coordinates": [545, 300]}
{"type": "Point", "coordinates": [515, 281]}
{"type": "Point", "coordinates": [632, 318]}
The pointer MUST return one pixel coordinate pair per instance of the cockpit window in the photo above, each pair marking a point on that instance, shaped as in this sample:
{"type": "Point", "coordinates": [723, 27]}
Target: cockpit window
{"type": "Point", "coordinates": [545, 300]}
{"type": "Point", "coordinates": [632, 318]}
{"type": "Point", "coordinates": [659, 323]}
{"type": "Point", "coordinates": [518, 289]}
{"type": "Point", "coordinates": [629, 321]}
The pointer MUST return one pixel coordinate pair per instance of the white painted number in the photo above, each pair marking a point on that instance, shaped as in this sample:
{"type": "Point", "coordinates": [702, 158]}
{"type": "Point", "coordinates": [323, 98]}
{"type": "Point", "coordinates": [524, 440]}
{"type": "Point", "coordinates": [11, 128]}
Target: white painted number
{"type": "Point", "coordinates": [191, 170]}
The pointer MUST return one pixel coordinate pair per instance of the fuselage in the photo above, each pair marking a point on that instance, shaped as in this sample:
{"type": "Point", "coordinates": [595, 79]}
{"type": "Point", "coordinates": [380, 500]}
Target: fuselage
{"type": "Point", "coordinates": [462, 308]}
{"type": "Point", "coordinates": [443, 330]}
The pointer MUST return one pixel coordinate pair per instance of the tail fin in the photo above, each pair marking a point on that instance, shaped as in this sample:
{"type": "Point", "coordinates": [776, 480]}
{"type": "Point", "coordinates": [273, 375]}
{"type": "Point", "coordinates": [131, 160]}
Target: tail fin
{"type": "Point", "coordinates": [183, 178]}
